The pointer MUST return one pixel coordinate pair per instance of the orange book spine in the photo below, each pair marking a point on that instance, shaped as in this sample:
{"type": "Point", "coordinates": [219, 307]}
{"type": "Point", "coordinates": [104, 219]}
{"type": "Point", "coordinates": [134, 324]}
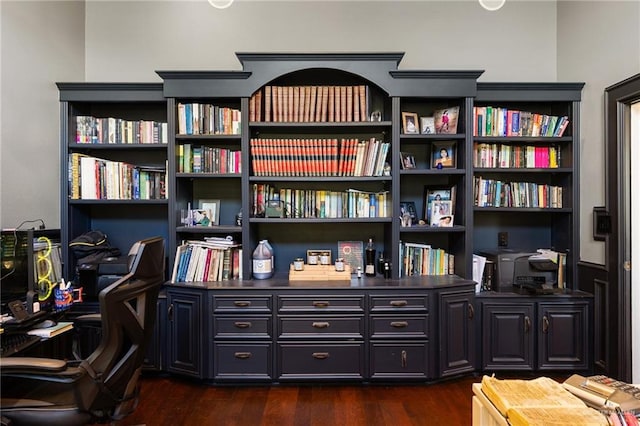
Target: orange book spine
{"type": "Point", "coordinates": [312, 103]}
{"type": "Point", "coordinates": [349, 100]}
{"type": "Point", "coordinates": [330, 104]}
{"type": "Point", "coordinates": [296, 103]}
{"type": "Point", "coordinates": [364, 114]}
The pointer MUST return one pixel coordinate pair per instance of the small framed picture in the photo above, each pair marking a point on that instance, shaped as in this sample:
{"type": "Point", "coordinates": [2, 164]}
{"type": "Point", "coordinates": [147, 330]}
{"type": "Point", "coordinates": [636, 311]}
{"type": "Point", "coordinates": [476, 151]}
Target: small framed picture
{"type": "Point", "coordinates": [443, 155]}
{"type": "Point", "coordinates": [442, 214]}
{"type": "Point", "coordinates": [408, 161]}
{"type": "Point", "coordinates": [446, 120]}
{"type": "Point", "coordinates": [434, 195]}
{"type": "Point", "coordinates": [410, 123]}
{"type": "Point", "coordinates": [408, 209]}
{"type": "Point", "coordinates": [213, 206]}
{"type": "Point", "coordinates": [427, 125]}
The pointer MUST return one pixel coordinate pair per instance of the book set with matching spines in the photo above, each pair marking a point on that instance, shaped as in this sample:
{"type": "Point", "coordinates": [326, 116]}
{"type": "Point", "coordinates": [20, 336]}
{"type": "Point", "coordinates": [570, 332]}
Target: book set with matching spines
{"type": "Point", "coordinates": [310, 104]}
{"type": "Point", "coordinates": [318, 157]}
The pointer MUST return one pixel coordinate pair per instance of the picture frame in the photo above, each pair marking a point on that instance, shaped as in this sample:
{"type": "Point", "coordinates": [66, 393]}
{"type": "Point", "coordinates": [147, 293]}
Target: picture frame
{"type": "Point", "coordinates": [435, 194]}
{"type": "Point", "coordinates": [443, 155]}
{"type": "Point", "coordinates": [442, 214]}
{"type": "Point", "coordinates": [213, 206]}
{"type": "Point", "coordinates": [427, 125]}
{"type": "Point", "coordinates": [446, 120]}
{"type": "Point", "coordinates": [407, 161]}
{"type": "Point", "coordinates": [410, 123]}
{"type": "Point", "coordinates": [408, 207]}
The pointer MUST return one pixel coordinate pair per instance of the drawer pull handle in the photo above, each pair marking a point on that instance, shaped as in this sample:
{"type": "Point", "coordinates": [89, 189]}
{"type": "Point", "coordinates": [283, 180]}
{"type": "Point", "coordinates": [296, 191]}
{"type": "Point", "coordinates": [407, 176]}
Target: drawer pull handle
{"type": "Point", "coordinates": [320, 355]}
{"type": "Point", "coordinates": [399, 324]}
{"type": "Point", "coordinates": [398, 303]}
{"type": "Point", "coordinates": [320, 325]}
{"type": "Point", "coordinates": [471, 311]}
{"type": "Point", "coordinates": [545, 324]}
{"type": "Point", "coordinates": [242, 303]}
{"type": "Point", "coordinates": [403, 359]}
{"type": "Point", "coordinates": [242, 324]}
{"type": "Point", "coordinates": [322, 304]}
{"type": "Point", "coordinates": [242, 355]}
{"type": "Point", "coordinates": [527, 324]}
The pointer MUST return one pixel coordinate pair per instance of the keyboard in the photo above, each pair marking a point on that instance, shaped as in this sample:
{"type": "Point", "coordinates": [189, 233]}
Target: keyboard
{"type": "Point", "coordinates": [13, 343]}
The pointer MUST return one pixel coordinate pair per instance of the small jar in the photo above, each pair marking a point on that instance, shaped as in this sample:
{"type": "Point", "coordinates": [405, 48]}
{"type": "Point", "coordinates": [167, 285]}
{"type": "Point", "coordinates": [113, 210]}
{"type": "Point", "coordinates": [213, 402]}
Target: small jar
{"type": "Point", "coordinates": [312, 259]}
{"type": "Point", "coordinates": [359, 272]}
{"type": "Point", "coordinates": [298, 264]}
{"type": "Point", "coordinates": [324, 259]}
{"type": "Point", "coordinates": [340, 264]}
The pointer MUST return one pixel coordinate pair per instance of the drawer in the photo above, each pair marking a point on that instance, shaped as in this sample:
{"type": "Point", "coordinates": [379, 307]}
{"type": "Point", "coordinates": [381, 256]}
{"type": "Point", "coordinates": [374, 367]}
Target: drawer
{"type": "Point", "coordinates": [400, 326]}
{"type": "Point", "coordinates": [328, 304]}
{"type": "Point", "coordinates": [242, 327]}
{"type": "Point", "coordinates": [239, 303]}
{"type": "Point", "coordinates": [409, 303]}
{"type": "Point", "coordinates": [326, 361]}
{"type": "Point", "coordinates": [321, 327]}
{"type": "Point", "coordinates": [250, 362]}
{"type": "Point", "coordinates": [392, 360]}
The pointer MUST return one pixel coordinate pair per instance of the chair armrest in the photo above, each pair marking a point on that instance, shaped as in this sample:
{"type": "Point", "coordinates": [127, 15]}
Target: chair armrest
{"type": "Point", "coordinates": [36, 365]}
{"type": "Point", "coordinates": [88, 320]}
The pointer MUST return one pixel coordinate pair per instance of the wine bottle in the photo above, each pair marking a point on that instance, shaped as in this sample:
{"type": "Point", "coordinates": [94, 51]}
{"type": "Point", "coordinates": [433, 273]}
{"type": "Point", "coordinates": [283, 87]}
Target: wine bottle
{"type": "Point", "coordinates": [370, 259]}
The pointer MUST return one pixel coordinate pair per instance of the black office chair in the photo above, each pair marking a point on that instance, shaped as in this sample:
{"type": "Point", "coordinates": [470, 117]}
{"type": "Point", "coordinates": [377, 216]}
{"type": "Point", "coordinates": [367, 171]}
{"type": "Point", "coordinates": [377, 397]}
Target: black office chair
{"type": "Point", "coordinates": [103, 387]}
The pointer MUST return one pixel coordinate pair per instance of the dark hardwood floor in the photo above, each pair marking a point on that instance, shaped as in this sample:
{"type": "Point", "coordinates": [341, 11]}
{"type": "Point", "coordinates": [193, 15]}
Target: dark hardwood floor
{"type": "Point", "coordinates": [174, 401]}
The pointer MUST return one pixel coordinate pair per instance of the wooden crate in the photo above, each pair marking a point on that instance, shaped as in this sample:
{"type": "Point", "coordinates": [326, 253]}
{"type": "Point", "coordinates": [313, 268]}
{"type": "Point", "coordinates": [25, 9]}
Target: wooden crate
{"type": "Point", "coordinates": [319, 273]}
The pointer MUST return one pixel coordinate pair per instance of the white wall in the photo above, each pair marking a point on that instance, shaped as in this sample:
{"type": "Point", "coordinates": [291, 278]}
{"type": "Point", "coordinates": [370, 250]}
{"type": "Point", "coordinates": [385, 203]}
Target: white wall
{"type": "Point", "coordinates": [41, 43]}
{"type": "Point", "coordinates": [129, 41]}
{"type": "Point", "coordinates": [598, 43]}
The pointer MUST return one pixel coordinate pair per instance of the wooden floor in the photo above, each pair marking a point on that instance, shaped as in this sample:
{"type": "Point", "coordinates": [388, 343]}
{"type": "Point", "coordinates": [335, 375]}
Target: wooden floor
{"type": "Point", "coordinates": [173, 401]}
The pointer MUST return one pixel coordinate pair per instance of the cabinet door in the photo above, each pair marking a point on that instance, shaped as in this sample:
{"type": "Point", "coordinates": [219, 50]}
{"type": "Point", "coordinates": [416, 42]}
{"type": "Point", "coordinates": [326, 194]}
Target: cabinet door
{"type": "Point", "coordinates": [185, 333]}
{"type": "Point", "coordinates": [153, 357]}
{"type": "Point", "coordinates": [563, 336]}
{"type": "Point", "coordinates": [508, 336]}
{"type": "Point", "coordinates": [457, 333]}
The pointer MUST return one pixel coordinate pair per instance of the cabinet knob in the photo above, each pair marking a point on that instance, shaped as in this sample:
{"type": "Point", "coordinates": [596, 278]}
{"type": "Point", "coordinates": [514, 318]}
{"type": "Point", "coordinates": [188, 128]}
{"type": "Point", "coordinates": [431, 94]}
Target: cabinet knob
{"type": "Point", "coordinates": [320, 355]}
{"type": "Point", "coordinates": [242, 355]}
{"type": "Point", "coordinates": [403, 359]}
{"type": "Point", "coordinates": [320, 304]}
{"type": "Point", "coordinates": [399, 324]}
{"type": "Point", "coordinates": [242, 324]}
{"type": "Point", "coordinates": [320, 325]}
{"type": "Point", "coordinates": [398, 303]}
{"type": "Point", "coordinates": [242, 303]}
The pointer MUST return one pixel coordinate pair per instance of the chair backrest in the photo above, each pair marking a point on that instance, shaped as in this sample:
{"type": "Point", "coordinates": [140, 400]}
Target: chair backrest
{"type": "Point", "coordinates": [128, 310]}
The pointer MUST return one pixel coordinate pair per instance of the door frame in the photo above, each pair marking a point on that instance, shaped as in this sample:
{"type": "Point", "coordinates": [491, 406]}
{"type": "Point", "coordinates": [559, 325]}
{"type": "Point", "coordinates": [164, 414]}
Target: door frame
{"type": "Point", "coordinates": [617, 121]}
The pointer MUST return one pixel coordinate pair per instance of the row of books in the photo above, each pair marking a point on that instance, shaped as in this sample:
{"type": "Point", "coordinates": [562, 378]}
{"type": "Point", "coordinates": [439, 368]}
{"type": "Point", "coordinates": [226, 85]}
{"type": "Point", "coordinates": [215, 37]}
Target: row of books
{"type": "Point", "coordinates": [207, 260]}
{"type": "Point", "coordinates": [318, 157]}
{"type": "Point", "coordinates": [518, 156]}
{"type": "Point", "coordinates": [304, 104]}
{"type": "Point", "coordinates": [207, 119]}
{"type": "Point", "coordinates": [496, 193]}
{"type": "Point", "coordinates": [321, 204]}
{"type": "Point", "coordinates": [422, 259]}
{"type": "Point", "coordinates": [497, 121]}
{"type": "Point", "coordinates": [92, 178]}
{"type": "Point", "coordinates": [109, 130]}
{"type": "Point", "coordinates": [207, 159]}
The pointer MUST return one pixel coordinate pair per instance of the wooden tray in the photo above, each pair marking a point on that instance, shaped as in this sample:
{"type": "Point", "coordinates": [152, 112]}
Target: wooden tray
{"type": "Point", "coordinates": [320, 273]}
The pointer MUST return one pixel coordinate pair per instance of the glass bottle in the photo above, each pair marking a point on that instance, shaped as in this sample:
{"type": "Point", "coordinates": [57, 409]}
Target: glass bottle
{"type": "Point", "coordinates": [370, 259]}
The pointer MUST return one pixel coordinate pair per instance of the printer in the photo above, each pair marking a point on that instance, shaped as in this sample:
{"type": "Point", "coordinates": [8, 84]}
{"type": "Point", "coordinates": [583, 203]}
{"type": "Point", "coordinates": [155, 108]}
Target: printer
{"type": "Point", "coordinates": [524, 269]}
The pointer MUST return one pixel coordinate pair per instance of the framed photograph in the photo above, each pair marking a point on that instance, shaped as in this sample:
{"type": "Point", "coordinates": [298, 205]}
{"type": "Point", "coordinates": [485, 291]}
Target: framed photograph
{"type": "Point", "coordinates": [434, 195]}
{"type": "Point", "coordinates": [443, 155]}
{"type": "Point", "coordinates": [213, 206]}
{"type": "Point", "coordinates": [442, 214]}
{"type": "Point", "coordinates": [408, 208]}
{"type": "Point", "coordinates": [408, 161]}
{"type": "Point", "coordinates": [446, 120]}
{"type": "Point", "coordinates": [427, 125]}
{"type": "Point", "coordinates": [410, 123]}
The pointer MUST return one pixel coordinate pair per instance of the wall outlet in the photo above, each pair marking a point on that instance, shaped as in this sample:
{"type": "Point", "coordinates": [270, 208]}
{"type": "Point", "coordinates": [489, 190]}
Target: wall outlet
{"type": "Point", "coordinates": [503, 239]}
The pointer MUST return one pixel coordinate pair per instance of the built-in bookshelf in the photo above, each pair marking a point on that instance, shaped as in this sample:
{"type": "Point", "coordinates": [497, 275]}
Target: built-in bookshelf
{"type": "Point", "coordinates": [114, 153]}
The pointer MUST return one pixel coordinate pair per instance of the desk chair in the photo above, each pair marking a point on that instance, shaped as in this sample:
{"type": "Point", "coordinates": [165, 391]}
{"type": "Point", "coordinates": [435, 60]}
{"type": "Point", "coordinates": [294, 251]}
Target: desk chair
{"type": "Point", "coordinates": [104, 386]}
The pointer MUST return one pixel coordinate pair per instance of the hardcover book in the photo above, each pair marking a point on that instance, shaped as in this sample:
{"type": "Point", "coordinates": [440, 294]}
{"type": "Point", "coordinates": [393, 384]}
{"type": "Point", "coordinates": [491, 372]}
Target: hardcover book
{"type": "Point", "coordinates": [351, 252]}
